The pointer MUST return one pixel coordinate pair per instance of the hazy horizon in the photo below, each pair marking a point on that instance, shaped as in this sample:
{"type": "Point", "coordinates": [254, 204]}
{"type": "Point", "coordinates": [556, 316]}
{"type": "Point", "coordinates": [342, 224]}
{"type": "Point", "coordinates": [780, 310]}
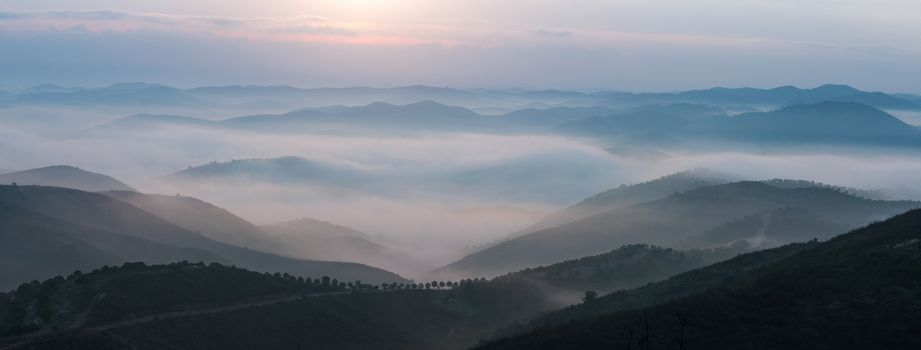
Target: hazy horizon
{"type": "Point", "coordinates": [630, 45]}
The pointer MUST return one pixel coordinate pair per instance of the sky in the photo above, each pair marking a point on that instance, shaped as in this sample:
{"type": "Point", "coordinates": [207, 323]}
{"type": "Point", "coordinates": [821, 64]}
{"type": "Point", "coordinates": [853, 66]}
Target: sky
{"type": "Point", "coordinates": [638, 45]}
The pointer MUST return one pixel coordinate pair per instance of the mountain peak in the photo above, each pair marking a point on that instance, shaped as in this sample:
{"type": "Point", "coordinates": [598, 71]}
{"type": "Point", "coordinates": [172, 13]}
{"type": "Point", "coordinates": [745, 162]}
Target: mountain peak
{"type": "Point", "coordinates": [838, 89]}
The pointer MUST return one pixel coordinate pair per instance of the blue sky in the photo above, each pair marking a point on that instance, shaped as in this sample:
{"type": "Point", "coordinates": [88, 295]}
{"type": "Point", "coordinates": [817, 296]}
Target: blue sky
{"type": "Point", "coordinates": [624, 44]}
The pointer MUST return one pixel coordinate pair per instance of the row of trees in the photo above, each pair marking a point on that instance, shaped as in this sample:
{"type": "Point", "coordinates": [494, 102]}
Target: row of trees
{"type": "Point", "coordinates": [329, 283]}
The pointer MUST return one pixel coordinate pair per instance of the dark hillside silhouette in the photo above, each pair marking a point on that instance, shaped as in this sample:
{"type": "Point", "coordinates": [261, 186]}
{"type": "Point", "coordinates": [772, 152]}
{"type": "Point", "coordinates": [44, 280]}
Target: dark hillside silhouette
{"type": "Point", "coordinates": [857, 290]}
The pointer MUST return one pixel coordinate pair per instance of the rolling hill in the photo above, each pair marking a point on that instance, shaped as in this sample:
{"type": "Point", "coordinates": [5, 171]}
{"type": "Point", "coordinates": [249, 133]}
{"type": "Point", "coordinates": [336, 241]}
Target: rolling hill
{"type": "Point", "coordinates": [767, 298]}
{"type": "Point", "coordinates": [304, 238]}
{"type": "Point", "coordinates": [320, 240]}
{"type": "Point", "coordinates": [106, 213]}
{"type": "Point", "coordinates": [212, 306]}
{"type": "Point", "coordinates": [669, 221]}
{"type": "Point", "coordinates": [286, 170]}
{"type": "Point", "coordinates": [36, 246]}
{"type": "Point", "coordinates": [826, 122]}
{"type": "Point", "coordinates": [65, 176]}
{"type": "Point", "coordinates": [626, 195]}
{"type": "Point", "coordinates": [857, 290]}
{"type": "Point", "coordinates": [109, 294]}
{"type": "Point", "coordinates": [626, 267]}
{"type": "Point", "coordinates": [199, 216]}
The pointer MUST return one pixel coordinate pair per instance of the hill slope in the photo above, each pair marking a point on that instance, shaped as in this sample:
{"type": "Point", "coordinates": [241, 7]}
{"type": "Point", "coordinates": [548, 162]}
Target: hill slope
{"type": "Point", "coordinates": [626, 267]}
{"type": "Point", "coordinates": [670, 220]}
{"type": "Point", "coordinates": [809, 298]}
{"type": "Point", "coordinates": [626, 195]}
{"type": "Point", "coordinates": [179, 306]}
{"type": "Point", "coordinates": [111, 294]}
{"type": "Point", "coordinates": [36, 246]}
{"type": "Point", "coordinates": [200, 216]}
{"type": "Point", "coordinates": [315, 239]}
{"type": "Point", "coordinates": [103, 212]}
{"type": "Point", "coordinates": [65, 176]}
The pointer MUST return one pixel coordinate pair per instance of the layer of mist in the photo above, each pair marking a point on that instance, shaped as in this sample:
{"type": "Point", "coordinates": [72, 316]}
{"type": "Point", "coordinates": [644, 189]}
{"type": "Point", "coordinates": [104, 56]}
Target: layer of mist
{"type": "Point", "coordinates": [436, 193]}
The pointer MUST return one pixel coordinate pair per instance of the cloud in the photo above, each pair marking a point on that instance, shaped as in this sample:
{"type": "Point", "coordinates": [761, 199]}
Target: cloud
{"type": "Point", "coordinates": [87, 15]}
{"type": "Point", "coordinates": [119, 19]}
{"type": "Point", "coordinates": [310, 29]}
{"type": "Point", "coordinates": [551, 33]}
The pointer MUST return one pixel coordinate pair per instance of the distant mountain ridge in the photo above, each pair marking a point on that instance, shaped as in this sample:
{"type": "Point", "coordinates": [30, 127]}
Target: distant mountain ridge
{"type": "Point", "coordinates": [425, 114]}
{"type": "Point", "coordinates": [773, 98]}
{"type": "Point", "coordinates": [124, 94]}
{"type": "Point", "coordinates": [121, 94]}
{"type": "Point", "coordinates": [833, 123]}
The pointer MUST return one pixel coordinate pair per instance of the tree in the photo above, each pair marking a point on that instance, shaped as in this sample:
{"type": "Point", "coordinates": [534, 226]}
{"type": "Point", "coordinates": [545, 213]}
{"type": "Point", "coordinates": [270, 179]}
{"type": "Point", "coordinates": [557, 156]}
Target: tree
{"type": "Point", "coordinates": [629, 337]}
{"type": "Point", "coordinates": [644, 340]}
{"type": "Point", "coordinates": [684, 321]}
{"type": "Point", "coordinates": [589, 296]}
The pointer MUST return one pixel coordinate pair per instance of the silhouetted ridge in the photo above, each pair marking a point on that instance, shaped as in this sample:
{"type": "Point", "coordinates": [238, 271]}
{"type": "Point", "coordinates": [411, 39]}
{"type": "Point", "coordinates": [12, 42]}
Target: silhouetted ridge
{"type": "Point", "coordinates": [801, 295]}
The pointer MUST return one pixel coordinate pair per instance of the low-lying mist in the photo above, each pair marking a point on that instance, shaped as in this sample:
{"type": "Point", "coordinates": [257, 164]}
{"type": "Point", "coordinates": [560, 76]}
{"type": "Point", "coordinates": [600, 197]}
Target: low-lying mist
{"type": "Point", "coordinates": [433, 195]}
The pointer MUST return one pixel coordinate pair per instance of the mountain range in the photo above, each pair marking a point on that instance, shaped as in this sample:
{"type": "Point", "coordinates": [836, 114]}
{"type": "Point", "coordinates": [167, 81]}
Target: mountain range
{"type": "Point", "coordinates": [659, 126]}
{"type": "Point", "coordinates": [770, 98]}
{"type": "Point", "coordinates": [835, 123]}
{"type": "Point", "coordinates": [146, 94]}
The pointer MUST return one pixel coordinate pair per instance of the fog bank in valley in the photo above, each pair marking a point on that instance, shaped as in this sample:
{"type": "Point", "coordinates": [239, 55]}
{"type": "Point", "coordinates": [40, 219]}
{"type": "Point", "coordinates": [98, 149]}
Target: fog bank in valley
{"type": "Point", "coordinates": [437, 195]}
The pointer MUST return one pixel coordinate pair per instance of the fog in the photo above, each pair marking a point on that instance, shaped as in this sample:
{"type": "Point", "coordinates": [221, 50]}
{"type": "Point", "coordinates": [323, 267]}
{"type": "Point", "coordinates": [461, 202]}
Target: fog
{"type": "Point", "coordinates": [433, 194]}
